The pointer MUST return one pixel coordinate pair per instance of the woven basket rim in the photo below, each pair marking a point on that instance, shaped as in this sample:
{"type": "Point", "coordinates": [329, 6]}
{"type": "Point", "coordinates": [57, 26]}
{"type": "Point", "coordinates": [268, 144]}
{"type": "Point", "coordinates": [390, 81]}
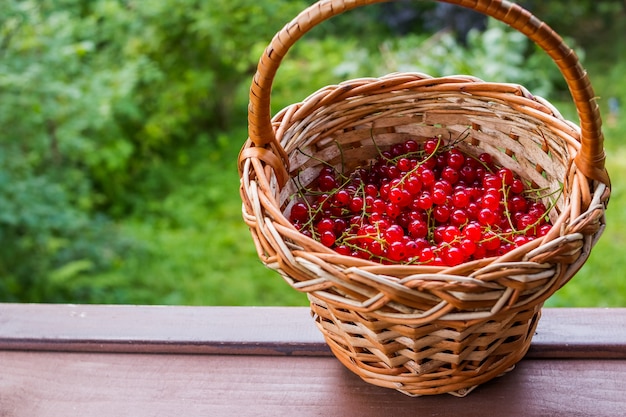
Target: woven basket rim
{"type": "Point", "coordinates": [318, 257]}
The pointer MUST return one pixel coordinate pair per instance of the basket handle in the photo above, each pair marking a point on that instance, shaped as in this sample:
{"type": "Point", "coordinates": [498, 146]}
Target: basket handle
{"type": "Point", "coordinates": [591, 157]}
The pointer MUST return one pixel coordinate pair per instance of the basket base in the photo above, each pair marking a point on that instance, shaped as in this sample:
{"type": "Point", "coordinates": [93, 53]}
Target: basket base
{"type": "Point", "coordinates": [451, 357]}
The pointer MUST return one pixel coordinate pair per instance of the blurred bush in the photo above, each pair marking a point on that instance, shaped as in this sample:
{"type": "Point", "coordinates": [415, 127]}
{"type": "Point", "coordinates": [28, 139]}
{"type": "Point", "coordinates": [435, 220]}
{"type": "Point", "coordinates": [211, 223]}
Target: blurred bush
{"type": "Point", "coordinates": [120, 123]}
{"type": "Point", "coordinates": [92, 95]}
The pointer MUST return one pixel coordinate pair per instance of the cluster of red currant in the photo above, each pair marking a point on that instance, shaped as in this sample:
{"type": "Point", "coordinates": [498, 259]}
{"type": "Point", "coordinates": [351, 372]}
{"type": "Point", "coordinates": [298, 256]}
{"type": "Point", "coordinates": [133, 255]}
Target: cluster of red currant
{"type": "Point", "coordinates": [426, 203]}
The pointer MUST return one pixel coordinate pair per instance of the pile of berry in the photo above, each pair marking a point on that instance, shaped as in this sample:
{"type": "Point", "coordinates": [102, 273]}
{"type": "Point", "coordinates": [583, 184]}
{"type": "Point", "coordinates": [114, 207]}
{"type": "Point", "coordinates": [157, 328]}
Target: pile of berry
{"type": "Point", "coordinates": [421, 204]}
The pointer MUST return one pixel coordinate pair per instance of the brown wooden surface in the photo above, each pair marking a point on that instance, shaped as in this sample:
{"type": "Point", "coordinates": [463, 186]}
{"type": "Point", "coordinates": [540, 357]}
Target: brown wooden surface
{"type": "Point", "coordinates": [562, 333]}
{"type": "Point", "coordinates": [159, 329]}
{"type": "Point", "coordinates": [92, 384]}
{"type": "Point", "coordinates": [64, 360]}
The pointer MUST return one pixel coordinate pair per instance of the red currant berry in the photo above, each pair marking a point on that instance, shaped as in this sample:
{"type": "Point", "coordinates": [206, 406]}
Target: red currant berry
{"type": "Point", "coordinates": [441, 213]}
{"type": "Point", "coordinates": [427, 255]}
{"type": "Point", "coordinates": [371, 190]}
{"type": "Point", "coordinates": [450, 174]}
{"type": "Point", "coordinates": [404, 164]}
{"type": "Point", "coordinates": [397, 251]}
{"type": "Point", "coordinates": [472, 210]}
{"type": "Point", "coordinates": [432, 145]}
{"type": "Point", "coordinates": [458, 217]}
{"type": "Point", "coordinates": [438, 234]}
{"type": "Point", "coordinates": [480, 252]}
{"type": "Point", "coordinates": [326, 182]}
{"type": "Point", "coordinates": [379, 220]}
{"type": "Point", "coordinates": [377, 248]}
{"type": "Point", "coordinates": [395, 194]}
{"type": "Point", "coordinates": [340, 226]}
{"type": "Point", "coordinates": [450, 234]}
{"type": "Point", "coordinates": [473, 232]}
{"type": "Point", "coordinates": [455, 159]}
{"type": "Point", "coordinates": [492, 181]}
{"type": "Point", "coordinates": [418, 229]}
{"type": "Point", "coordinates": [506, 176]}
{"type": "Point", "coordinates": [443, 185]}
{"type": "Point", "coordinates": [490, 202]}
{"type": "Point", "coordinates": [394, 233]}
{"type": "Point", "coordinates": [461, 198]}
{"type": "Point", "coordinates": [486, 159]}
{"type": "Point", "coordinates": [453, 256]}
{"type": "Point", "coordinates": [341, 198]}
{"type": "Point", "coordinates": [403, 219]}
{"type": "Point", "coordinates": [518, 204]}
{"type": "Point", "coordinates": [393, 210]}
{"type": "Point", "coordinates": [356, 204]}
{"type": "Point", "coordinates": [438, 261]}
{"type": "Point", "coordinates": [538, 211]}
{"type": "Point", "coordinates": [394, 172]}
{"type": "Point", "coordinates": [378, 206]}
{"type": "Point", "coordinates": [356, 222]}
{"type": "Point", "coordinates": [427, 176]}
{"type": "Point", "coordinates": [525, 221]}
{"type": "Point", "coordinates": [411, 146]}
{"type": "Point", "coordinates": [299, 212]}
{"type": "Point", "coordinates": [406, 200]}
{"type": "Point", "coordinates": [325, 201]}
{"type": "Point", "coordinates": [468, 173]}
{"type": "Point", "coordinates": [413, 185]}
{"type": "Point", "coordinates": [487, 217]}
{"type": "Point", "coordinates": [383, 190]}
{"type": "Point", "coordinates": [520, 240]}
{"type": "Point", "coordinates": [327, 238]}
{"type": "Point", "coordinates": [517, 187]}
{"type": "Point", "coordinates": [368, 204]}
{"type": "Point", "coordinates": [397, 149]}
{"type": "Point", "coordinates": [325, 225]}
{"type": "Point", "coordinates": [468, 247]}
{"type": "Point", "coordinates": [424, 201]}
{"type": "Point", "coordinates": [491, 241]}
{"type": "Point", "coordinates": [441, 161]}
{"type": "Point", "coordinates": [417, 215]}
{"type": "Point", "coordinates": [543, 229]}
{"type": "Point", "coordinates": [439, 196]}
{"type": "Point", "coordinates": [343, 250]}
{"type": "Point", "coordinates": [430, 163]}
{"type": "Point", "coordinates": [412, 249]}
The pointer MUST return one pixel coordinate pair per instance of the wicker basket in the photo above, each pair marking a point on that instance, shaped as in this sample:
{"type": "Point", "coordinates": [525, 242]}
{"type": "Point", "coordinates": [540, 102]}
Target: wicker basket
{"type": "Point", "coordinates": [424, 329]}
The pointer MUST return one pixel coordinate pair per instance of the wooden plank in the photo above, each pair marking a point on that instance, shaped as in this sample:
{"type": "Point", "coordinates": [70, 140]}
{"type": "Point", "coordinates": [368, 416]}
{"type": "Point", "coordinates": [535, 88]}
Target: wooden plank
{"type": "Point", "coordinates": [580, 333]}
{"type": "Point", "coordinates": [96, 384]}
{"type": "Point", "coordinates": [160, 329]}
{"type": "Point", "coordinates": [562, 333]}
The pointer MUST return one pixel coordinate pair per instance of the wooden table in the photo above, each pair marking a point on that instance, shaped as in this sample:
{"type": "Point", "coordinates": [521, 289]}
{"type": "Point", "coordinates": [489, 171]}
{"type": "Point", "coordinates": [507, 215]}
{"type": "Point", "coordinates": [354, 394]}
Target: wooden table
{"type": "Point", "coordinates": [92, 360]}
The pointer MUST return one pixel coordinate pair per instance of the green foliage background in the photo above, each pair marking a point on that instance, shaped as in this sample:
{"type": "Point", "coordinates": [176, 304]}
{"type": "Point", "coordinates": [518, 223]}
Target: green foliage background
{"type": "Point", "coordinates": [120, 124]}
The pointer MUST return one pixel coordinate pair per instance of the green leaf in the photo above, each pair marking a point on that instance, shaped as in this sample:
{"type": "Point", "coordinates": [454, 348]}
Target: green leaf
{"type": "Point", "coordinates": [64, 274]}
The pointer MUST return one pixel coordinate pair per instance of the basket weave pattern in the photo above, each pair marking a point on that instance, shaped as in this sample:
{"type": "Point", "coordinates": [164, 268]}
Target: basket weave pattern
{"type": "Point", "coordinates": [425, 329]}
